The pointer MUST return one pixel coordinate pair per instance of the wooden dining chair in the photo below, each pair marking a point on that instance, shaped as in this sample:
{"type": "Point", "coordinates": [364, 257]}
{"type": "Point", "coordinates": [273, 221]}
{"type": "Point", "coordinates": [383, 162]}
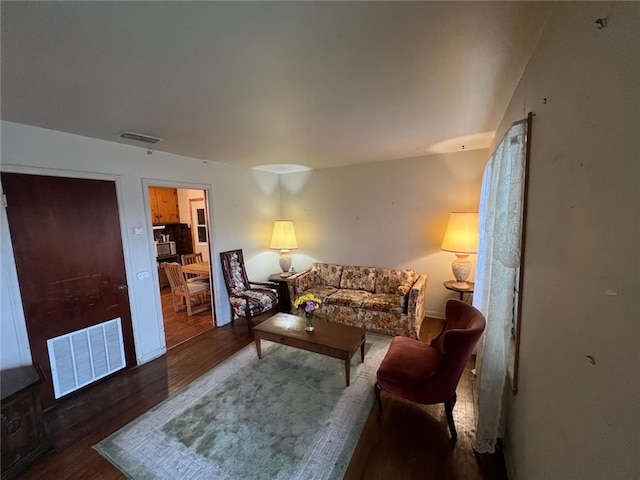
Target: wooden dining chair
{"type": "Point", "coordinates": [187, 294]}
{"type": "Point", "coordinates": [189, 259]}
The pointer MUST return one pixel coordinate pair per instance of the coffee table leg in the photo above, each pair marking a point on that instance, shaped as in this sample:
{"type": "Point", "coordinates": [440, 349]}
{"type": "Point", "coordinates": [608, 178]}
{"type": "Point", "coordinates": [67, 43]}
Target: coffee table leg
{"type": "Point", "coordinates": [347, 370]}
{"type": "Point", "coordinates": [362, 352]}
{"type": "Point", "coordinates": [258, 349]}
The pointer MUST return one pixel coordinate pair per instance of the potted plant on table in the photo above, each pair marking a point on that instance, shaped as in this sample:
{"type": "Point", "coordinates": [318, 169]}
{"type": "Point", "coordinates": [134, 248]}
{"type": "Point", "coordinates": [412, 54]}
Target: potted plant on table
{"type": "Point", "coordinates": [309, 303]}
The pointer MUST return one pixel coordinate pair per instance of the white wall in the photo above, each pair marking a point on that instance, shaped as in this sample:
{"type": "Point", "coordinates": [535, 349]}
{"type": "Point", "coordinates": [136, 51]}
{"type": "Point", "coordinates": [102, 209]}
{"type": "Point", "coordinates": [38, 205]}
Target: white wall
{"type": "Point", "coordinates": [243, 204]}
{"type": "Point", "coordinates": [14, 343]}
{"type": "Point", "coordinates": [385, 214]}
{"type": "Point", "coordinates": [572, 419]}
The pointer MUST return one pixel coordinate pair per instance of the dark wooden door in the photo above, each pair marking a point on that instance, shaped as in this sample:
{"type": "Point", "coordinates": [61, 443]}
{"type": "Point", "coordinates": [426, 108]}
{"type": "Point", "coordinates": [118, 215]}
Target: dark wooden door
{"type": "Point", "coordinates": [67, 244]}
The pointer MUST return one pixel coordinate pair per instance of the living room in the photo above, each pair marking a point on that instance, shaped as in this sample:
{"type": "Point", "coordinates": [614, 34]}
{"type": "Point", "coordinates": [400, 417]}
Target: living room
{"type": "Point", "coordinates": [580, 296]}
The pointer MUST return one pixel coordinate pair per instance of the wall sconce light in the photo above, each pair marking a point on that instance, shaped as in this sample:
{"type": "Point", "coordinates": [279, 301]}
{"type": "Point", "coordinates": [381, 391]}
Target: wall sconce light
{"type": "Point", "coordinates": [283, 238]}
{"type": "Point", "coordinates": [461, 238]}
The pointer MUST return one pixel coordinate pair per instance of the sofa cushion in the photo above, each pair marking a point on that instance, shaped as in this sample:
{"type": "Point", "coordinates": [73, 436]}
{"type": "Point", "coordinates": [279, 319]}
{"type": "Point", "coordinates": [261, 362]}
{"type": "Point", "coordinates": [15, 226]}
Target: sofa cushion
{"type": "Point", "coordinates": [384, 302]}
{"type": "Point", "coordinates": [305, 281]}
{"type": "Point", "coordinates": [328, 274]}
{"type": "Point", "coordinates": [390, 280]}
{"type": "Point", "coordinates": [320, 291]}
{"type": "Point", "coordinates": [347, 298]}
{"type": "Point", "coordinates": [358, 278]}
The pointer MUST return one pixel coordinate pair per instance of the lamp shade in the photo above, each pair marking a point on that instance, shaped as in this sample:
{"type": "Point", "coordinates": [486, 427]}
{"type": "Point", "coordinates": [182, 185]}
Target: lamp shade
{"type": "Point", "coordinates": [462, 233]}
{"type": "Point", "coordinates": [283, 236]}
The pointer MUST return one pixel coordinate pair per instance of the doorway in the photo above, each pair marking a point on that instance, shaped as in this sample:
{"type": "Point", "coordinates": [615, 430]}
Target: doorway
{"type": "Point", "coordinates": [199, 227]}
{"type": "Point", "coordinates": [181, 228]}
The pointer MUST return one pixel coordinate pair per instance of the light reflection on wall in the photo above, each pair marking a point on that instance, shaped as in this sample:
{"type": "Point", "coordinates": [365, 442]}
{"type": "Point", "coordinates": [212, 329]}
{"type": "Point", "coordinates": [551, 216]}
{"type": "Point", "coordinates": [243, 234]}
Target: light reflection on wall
{"type": "Point", "coordinates": [294, 182]}
{"type": "Point", "coordinates": [267, 181]}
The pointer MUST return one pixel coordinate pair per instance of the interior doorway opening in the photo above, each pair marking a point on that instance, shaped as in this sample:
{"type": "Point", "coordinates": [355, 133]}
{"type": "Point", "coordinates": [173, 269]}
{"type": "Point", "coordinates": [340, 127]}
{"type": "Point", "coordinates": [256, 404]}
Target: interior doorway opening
{"type": "Point", "coordinates": [181, 234]}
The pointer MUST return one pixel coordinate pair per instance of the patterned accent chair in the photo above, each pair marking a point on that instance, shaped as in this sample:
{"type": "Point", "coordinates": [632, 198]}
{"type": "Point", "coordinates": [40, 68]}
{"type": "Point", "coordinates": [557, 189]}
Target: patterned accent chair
{"type": "Point", "coordinates": [429, 374]}
{"type": "Point", "coordinates": [246, 301]}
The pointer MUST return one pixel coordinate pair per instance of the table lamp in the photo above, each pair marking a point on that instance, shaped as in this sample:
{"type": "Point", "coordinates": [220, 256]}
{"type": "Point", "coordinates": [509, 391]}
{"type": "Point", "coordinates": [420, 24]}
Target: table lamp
{"type": "Point", "coordinates": [283, 238]}
{"type": "Point", "coordinates": [461, 238]}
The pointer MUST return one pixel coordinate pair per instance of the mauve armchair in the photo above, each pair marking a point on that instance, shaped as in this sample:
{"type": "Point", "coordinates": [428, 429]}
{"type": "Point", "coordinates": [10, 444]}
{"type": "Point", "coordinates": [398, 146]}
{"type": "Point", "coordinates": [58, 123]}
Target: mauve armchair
{"type": "Point", "coordinates": [429, 374]}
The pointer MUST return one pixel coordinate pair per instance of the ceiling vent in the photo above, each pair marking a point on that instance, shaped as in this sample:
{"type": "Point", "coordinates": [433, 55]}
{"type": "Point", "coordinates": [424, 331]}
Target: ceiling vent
{"type": "Point", "coordinates": [139, 137]}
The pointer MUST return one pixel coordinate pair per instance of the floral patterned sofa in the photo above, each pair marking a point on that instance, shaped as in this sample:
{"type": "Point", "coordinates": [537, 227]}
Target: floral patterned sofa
{"type": "Point", "coordinates": [382, 300]}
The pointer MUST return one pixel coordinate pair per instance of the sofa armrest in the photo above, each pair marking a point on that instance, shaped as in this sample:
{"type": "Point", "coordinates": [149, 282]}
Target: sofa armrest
{"type": "Point", "coordinates": [417, 295]}
{"type": "Point", "coordinates": [293, 283]}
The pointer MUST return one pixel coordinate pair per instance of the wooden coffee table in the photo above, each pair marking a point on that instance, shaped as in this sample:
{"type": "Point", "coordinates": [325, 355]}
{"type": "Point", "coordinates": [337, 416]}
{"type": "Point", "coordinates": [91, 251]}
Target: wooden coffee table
{"type": "Point", "coordinates": [331, 339]}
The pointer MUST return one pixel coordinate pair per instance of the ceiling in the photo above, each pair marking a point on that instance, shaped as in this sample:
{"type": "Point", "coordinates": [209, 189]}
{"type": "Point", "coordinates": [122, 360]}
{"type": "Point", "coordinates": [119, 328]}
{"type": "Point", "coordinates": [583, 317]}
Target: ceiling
{"type": "Point", "coordinates": [319, 84]}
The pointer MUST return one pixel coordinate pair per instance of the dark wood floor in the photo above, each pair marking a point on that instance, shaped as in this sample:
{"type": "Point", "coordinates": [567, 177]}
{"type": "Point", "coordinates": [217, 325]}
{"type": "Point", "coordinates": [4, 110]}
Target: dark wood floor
{"type": "Point", "coordinates": [409, 442]}
{"type": "Point", "coordinates": [412, 441]}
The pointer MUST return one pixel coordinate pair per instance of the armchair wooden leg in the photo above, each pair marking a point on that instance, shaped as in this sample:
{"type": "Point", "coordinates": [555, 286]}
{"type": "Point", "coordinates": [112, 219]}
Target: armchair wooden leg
{"type": "Point", "coordinates": [233, 313]}
{"type": "Point", "coordinates": [247, 316]}
{"type": "Point", "coordinates": [250, 325]}
{"type": "Point", "coordinates": [448, 409]}
{"type": "Point", "coordinates": [377, 389]}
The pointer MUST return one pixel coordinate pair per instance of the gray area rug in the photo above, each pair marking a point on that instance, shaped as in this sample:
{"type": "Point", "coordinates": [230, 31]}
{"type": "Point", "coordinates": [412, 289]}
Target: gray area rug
{"type": "Point", "coordinates": [287, 416]}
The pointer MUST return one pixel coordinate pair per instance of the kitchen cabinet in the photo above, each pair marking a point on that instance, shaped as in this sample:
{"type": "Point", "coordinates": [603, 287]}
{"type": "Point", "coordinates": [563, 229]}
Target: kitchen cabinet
{"type": "Point", "coordinates": [180, 233]}
{"type": "Point", "coordinates": [164, 205]}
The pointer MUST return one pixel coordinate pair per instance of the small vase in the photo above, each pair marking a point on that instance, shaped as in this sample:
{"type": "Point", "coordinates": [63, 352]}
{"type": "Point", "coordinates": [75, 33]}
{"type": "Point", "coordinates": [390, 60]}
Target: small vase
{"type": "Point", "coordinates": [309, 327]}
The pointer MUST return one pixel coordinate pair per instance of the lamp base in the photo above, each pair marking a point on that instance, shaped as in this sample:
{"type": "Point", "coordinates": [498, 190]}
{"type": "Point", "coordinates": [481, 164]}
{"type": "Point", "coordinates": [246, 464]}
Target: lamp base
{"type": "Point", "coordinates": [461, 268]}
{"type": "Point", "coordinates": [285, 263]}
{"type": "Point", "coordinates": [286, 274]}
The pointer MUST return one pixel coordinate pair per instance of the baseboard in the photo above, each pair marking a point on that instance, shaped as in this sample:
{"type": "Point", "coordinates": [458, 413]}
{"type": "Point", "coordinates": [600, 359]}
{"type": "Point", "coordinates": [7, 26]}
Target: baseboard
{"type": "Point", "coordinates": [433, 314]}
{"type": "Point", "coordinates": [158, 352]}
{"type": "Point", "coordinates": [508, 463]}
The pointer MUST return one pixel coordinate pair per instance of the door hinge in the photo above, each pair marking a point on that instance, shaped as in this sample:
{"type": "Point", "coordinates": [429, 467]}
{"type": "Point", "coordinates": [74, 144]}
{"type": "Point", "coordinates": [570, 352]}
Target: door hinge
{"type": "Point", "coordinates": [4, 200]}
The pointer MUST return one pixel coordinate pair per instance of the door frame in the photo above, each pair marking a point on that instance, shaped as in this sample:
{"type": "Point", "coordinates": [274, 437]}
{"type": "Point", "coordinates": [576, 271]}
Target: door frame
{"type": "Point", "coordinates": [194, 232]}
{"type": "Point", "coordinates": [20, 322]}
{"type": "Point", "coordinates": [213, 262]}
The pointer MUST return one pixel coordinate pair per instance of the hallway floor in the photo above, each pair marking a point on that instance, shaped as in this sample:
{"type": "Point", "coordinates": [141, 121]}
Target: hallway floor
{"type": "Point", "coordinates": [178, 326]}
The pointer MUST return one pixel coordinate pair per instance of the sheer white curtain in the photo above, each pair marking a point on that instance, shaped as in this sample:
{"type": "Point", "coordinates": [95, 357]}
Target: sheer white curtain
{"type": "Point", "coordinates": [500, 227]}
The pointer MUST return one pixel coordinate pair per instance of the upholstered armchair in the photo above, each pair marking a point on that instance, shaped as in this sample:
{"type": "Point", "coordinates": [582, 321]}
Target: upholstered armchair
{"type": "Point", "coordinates": [246, 300]}
{"type": "Point", "coordinates": [429, 374]}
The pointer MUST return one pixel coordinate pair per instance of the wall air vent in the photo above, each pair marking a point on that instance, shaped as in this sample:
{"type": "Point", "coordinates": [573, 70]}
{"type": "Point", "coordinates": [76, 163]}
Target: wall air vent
{"type": "Point", "coordinates": [139, 137]}
{"type": "Point", "coordinates": [84, 356]}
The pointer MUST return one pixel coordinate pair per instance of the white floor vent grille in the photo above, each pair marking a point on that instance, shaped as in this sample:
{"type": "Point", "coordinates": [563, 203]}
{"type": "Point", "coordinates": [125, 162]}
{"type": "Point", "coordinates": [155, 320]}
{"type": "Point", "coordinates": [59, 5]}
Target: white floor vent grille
{"type": "Point", "coordinates": [84, 356]}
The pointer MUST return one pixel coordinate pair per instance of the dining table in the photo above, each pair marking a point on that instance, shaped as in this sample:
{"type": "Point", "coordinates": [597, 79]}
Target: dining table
{"type": "Point", "coordinates": [198, 268]}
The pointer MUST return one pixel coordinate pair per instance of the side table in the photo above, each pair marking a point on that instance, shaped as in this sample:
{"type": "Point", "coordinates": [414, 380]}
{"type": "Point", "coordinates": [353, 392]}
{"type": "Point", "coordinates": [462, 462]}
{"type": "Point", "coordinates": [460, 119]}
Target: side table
{"type": "Point", "coordinates": [449, 286]}
{"type": "Point", "coordinates": [24, 434]}
{"type": "Point", "coordinates": [283, 291]}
